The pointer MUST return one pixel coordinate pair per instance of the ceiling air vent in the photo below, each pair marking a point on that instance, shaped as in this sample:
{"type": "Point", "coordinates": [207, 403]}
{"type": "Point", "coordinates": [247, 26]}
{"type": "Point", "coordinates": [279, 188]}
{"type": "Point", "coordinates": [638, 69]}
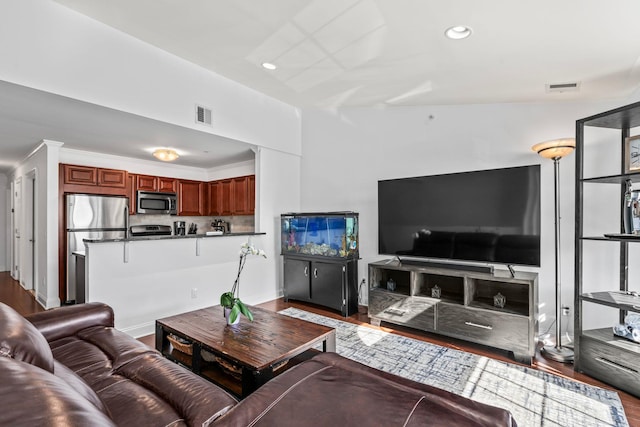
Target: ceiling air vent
{"type": "Point", "coordinates": [563, 87]}
{"type": "Point", "coordinates": [203, 115]}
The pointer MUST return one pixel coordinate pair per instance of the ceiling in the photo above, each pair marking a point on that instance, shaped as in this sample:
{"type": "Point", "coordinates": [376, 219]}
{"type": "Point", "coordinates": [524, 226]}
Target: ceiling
{"type": "Point", "coordinates": [340, 53]}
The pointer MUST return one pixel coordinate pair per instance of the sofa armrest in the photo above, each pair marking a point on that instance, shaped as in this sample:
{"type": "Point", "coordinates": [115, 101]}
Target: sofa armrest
{"type": "Point", "coordinates": [65, 321]}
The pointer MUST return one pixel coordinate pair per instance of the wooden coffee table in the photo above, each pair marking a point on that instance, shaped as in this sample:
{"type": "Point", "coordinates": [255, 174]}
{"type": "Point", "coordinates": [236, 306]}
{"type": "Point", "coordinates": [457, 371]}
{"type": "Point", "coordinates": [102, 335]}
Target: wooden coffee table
{"type": "Point", "coordinates": [242, 357]}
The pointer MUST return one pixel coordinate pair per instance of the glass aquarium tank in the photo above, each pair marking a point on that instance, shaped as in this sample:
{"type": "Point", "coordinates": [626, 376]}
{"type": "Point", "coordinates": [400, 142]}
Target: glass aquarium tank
{"type": "Point", "coordinates": [328, 234]}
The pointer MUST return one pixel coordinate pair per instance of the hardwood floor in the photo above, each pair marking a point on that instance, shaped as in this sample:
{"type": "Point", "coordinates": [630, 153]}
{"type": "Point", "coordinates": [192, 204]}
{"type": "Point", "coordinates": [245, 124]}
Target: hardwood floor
{"type": "Point", "coordinates": [12, 294]}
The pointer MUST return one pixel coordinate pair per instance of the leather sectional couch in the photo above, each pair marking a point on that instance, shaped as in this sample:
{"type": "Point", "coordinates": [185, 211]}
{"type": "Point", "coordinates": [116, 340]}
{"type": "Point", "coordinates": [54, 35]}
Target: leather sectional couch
{"type": "Point", "coordinates": [70, 367]}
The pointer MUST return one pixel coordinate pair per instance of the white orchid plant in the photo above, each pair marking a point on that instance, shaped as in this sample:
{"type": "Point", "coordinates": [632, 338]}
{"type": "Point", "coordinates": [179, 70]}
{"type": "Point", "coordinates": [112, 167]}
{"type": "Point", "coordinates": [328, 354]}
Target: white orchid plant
{"type": "Point", "coordinates": [231, 299]}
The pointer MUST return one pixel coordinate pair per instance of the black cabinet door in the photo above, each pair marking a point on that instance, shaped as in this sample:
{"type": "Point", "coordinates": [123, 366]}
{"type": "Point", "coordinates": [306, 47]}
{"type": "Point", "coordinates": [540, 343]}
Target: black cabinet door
{"type": "Point", "coordinates": [297, 279]}
{"type": "Point", "coordinates": [327, 283]}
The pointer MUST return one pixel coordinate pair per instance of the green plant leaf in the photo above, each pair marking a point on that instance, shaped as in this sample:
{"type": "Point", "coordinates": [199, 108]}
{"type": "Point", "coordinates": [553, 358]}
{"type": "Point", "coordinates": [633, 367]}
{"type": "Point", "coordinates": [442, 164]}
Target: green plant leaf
{"type": "Point", "coordinates": [226, 300]}
{"type": "Point", "coordinates": [244, 310]}
{"type": "Point", "coordinates": [235, 312]}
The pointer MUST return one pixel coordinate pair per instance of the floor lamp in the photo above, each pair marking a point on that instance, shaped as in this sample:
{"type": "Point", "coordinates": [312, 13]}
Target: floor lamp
{"type": "Point", "coordinates": [555, 150]}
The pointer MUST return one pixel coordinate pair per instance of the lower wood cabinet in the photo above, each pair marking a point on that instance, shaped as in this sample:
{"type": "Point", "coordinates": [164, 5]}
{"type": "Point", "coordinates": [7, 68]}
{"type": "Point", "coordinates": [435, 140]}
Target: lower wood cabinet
{"type": "Point", "coordinates": [493, 309]}
{"type": "Point", "coordinates": [331, 284]}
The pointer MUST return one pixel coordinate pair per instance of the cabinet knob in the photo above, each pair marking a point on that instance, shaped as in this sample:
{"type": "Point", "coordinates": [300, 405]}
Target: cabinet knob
{"type": "Point", "coordinates": [315, 273]}
{"type": "Point", "coordinates": [306, 272]}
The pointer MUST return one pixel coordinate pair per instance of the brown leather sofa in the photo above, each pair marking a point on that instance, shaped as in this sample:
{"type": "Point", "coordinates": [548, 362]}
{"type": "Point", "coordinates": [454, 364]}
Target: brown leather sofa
{"type": "Point", "coordinates": [70, 367]}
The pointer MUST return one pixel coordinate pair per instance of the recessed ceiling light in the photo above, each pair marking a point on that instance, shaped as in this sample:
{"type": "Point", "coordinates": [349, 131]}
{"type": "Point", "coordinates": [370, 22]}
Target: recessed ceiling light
{"type": "Point", "coordinates": [268, 66]}
{"type": "Point", "coordinates": [458, 32]}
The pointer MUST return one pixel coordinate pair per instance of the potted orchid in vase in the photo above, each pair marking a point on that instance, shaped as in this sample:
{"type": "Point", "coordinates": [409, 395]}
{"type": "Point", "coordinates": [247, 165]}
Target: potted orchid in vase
{"type": "Point", "coordinates": [233, 307]}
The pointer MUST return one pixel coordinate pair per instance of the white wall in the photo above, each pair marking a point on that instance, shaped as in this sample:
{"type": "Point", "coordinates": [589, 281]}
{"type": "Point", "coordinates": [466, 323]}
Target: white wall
{"type": "Point", "coordinates": [346, 152]}
{"type": "Point", "coordinates": [5, 214]}
{"type": "Point", "coordinates": [49, 47]}
{"type": "Point", "coordinates": [43, 162]}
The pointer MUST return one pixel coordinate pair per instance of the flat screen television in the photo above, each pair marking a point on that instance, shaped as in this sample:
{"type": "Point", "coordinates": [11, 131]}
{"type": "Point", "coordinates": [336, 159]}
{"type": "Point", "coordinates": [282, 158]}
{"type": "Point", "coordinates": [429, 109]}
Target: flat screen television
{"type": "Point", "coordinates": [486, 216]}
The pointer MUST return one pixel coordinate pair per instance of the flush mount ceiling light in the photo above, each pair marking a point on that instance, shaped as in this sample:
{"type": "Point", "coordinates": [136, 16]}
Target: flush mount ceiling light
{"type": "Point", "coordinates": [458, 32]}
{"type": "Point", "coordinates": [165, 154]}
{"type": "Point", "coordinates": [268, 66]}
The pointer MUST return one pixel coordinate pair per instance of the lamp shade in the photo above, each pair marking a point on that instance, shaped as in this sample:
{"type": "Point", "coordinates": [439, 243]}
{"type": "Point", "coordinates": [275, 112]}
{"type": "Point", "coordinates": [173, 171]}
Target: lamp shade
{"type": "Point", "coordinates": [556, 148]}
{"type": "Point", "coordinates": [165, 154]}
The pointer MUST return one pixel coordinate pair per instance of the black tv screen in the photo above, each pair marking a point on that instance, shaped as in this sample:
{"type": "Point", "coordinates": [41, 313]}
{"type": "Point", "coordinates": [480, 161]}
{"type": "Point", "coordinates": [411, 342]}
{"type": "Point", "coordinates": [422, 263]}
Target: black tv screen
{"type": "Point", "coordinates": [488, 216]}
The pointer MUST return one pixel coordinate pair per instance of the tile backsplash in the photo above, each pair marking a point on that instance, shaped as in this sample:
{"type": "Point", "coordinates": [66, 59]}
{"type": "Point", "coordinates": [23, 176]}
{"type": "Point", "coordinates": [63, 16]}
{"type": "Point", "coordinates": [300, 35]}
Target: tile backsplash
{"type": "Point", "coordinates": [238, 224]}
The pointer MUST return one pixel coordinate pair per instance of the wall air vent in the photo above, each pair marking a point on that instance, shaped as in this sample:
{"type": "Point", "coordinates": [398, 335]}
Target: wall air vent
{"type": "Point", "coordinates": [203, 115]}
{"type": "Point", "coordinates": [563, 87]}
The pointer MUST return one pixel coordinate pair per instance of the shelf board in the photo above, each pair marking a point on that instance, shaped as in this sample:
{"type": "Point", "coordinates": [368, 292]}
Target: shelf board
{"type": "Point", "coordinates": [517, 308]}
{"type": "Point", "coordinates": [631, 238]}
{"type": "Point", "coordinates": [615, 299]}
{"type": "Point", "coordinates": [619, 118]}
{"type": "Point", "coordinates": [606, 336]}
{"type": "Point", "coordinates": [613, 179]}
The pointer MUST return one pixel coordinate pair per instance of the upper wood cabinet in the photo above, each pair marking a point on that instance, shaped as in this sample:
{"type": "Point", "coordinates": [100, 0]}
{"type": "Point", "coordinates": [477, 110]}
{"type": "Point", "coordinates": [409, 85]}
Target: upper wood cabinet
{"type": "Point", "coordinates": [190, 198]}
{"type": "Point", "coordinates": [146, 183]}
{"type": "Point", "coordinates": [167, 185]}
{"type": "Point", "coordinates": [251, 194]}
{"type": "Point", "coordinates": [240, 196]}
{"type": "Point", "coordinates": [156, 183]}
{"type": "Point", "coordinates": [233, 196]}
{"type": "Point", "coordinates": [83, 175]}
{"type": "Point", "coordinates": [213, 198]}
{"type": "Point", "coordinates": [112, 178]}
{"type": "Point", "coordinates": [92, 176]}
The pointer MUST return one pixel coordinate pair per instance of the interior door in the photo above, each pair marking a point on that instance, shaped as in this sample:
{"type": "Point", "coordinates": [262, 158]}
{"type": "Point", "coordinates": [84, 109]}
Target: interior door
{"type": "Point", "coordinates": [296, 279]}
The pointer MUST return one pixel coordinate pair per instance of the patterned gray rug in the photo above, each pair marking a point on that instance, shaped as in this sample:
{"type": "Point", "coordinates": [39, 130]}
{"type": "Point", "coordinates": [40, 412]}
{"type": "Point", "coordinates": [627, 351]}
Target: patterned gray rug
{"type": "Point", "coordinates": [534, 398]}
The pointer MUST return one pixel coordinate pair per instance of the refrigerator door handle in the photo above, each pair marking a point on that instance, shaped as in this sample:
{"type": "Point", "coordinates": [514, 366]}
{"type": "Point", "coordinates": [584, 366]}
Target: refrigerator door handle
{"type": "Point", "coordinates": [126, 222]}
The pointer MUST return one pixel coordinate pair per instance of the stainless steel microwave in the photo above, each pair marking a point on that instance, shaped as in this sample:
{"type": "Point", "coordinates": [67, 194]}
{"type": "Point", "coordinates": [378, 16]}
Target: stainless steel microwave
{"type": "Point", "coordinates": [156, 203]}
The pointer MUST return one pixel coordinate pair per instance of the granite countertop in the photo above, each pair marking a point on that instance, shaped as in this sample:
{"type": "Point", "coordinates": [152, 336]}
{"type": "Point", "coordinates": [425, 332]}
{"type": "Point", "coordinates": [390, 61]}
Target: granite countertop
{"type": "Point", "coordinates": [172, 237]}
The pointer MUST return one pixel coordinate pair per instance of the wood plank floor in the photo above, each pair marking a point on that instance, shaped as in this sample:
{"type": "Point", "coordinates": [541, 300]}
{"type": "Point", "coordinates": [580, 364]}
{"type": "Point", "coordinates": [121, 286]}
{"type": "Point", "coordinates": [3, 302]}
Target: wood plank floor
{"type": "Point", "coordinates": [12, 294]}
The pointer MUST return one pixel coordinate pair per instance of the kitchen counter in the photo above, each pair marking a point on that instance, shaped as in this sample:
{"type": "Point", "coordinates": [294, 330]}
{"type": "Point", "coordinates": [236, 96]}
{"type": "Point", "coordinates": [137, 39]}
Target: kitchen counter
{"type": "Point", "coordinates": [172, 237]}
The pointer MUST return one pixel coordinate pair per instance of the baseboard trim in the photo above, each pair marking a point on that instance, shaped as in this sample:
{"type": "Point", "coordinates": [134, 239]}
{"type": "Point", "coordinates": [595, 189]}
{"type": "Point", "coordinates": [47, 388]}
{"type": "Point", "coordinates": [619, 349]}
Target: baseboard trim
{"type": "Point", "coordinates": [141, 330]}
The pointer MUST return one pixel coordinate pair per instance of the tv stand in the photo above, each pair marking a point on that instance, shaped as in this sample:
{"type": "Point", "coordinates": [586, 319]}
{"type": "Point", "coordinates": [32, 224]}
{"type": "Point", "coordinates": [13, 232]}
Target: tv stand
{"type": "Point", "coordinates": [460, 267]}
{"type": "Point", "coordinates": [494, 309]}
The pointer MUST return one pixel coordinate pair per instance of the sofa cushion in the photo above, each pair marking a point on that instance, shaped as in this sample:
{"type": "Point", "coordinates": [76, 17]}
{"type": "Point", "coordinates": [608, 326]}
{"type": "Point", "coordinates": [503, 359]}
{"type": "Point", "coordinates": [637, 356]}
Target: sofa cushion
{"type": "Point", "coordinates": [136, 383]}
{"type": "Point", "coordinates": [31, 396]}
{"type": "Point", "coordinates": [331, 390]}
{"type": "Point", "coordinates": [20, 340]}
{"type": "Point", "coordinates": [76, 383]}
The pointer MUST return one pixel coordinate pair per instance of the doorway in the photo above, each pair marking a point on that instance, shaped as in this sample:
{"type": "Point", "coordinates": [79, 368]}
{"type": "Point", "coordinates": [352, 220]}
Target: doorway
{"type": "Point", "coordinates": [28, 276]}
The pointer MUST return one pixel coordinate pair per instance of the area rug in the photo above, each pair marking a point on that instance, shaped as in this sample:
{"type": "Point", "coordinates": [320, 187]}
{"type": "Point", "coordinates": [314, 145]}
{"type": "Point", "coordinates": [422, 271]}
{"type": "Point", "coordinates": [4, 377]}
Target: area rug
{"type": "Point", "coordinates": [534, 398]}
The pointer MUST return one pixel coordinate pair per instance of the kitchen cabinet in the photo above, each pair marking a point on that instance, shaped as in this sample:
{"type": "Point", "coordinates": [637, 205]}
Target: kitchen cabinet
{"type": "Point", "coordinates": [251, 194]}
{"type": "Point", "coordinates": [93, 180]}
{"type": "Point", "coordinates": [190, 198]}
{"type": "Point", "coordinates": [146, 183]}
{"type": "Point", "coordinates": [167, 185]}
{"type": "Point", "coordinates": [156, 183]}
{"type": "Point", "coordinates": [87, 175]}
{"type": "Point", "coordinates": [213, 197]}
{"type": "Point", "coordinates": [233, 196]}
{"type": "Point", "coordinates": [112, 178]}
{"type": "Point", "coordinates": [226, 197]}
{"type": "Point", "coordinates": [82, 175]}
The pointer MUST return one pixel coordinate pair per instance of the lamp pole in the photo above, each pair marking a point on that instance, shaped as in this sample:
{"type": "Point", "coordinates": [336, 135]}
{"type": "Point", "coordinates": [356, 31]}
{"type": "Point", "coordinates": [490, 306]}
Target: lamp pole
{"type": "Point", "coordinates": [555, 150]}
{"type": "Point", "coordinates": [557, 352]}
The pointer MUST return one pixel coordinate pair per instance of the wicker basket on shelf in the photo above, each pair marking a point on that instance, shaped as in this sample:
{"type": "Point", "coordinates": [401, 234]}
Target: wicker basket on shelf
{"type": "Point", "coordinates": [181, 344]}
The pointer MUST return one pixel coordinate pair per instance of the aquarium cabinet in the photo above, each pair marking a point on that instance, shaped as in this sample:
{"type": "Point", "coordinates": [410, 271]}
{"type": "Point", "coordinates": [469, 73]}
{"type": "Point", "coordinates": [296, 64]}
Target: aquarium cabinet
{"type": "Point", "coordinates": [494, 309]}
{"type": "Point", "coordinates": [320, 252]}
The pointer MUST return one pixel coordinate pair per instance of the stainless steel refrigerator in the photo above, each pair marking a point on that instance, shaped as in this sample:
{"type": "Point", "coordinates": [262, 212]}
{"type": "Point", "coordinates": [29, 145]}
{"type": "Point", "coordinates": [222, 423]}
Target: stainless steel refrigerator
{"type": "Point", "coordinates": [91, 217]}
